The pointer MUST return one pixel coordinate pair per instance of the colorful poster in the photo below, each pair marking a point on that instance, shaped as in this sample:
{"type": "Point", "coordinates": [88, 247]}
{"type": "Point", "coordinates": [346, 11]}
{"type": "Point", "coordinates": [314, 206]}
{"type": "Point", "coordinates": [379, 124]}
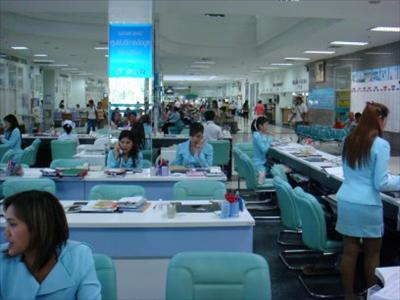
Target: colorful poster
{"type": "Point", "coordinates": [322, 99]}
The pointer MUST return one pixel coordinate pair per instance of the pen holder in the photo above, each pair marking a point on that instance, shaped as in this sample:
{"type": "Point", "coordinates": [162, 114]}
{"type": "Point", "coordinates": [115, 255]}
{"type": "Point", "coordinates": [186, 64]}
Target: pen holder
{"type": "Point", "coordinates": [171, 210]}
{"type": "Point", "coordinates": [225, 209]}
{"type": "Point", "coordinates": [234, 209]}
{"type": "Point", "coordinates": [164, 171]}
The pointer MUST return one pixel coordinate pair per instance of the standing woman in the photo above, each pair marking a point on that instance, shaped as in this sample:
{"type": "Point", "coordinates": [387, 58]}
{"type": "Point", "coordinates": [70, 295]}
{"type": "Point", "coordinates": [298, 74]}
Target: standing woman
{"type": "Point", "coordinates": [245, 112]}
{"type": "Point", "coordinates": [39, 255]}
{"type": "Point", "coordinates": [261, 143]}
{"type": "Point", "coordinates": [360, 215]}
{"type": "Point", "coordinates": [91, 111]}
{"type": "Point", "coordinates": [12, 136]}
{"type": "Point", "coordinates": [126, 153]}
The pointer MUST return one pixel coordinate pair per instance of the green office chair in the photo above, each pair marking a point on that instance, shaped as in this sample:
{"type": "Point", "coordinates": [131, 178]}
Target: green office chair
{"type": "Point", "coordinates": [278, 170]}
{"type": "Point", "coordinates": [290, 215]}
{"type": "Point", "coordinates": [246, 148]}
{"type": "Point", "coordinates": [218, 276]}
{"type": "Point", "coordinates": [146, 164]}
{"type": "Point", "coordinates": [146, 154]}
{"type": "Point", "coordinates": [236, 153]}
{"type": "Point", "coordinates": [4, 166]}
{"type": "Point", "coordinates": [63, 149]}
{"type": "Point", "coordinates": [185, 131]}
{"type": "Point", "coordinates": [67, 163]}
{"type": "Point", "coordinates": [106, 274]}
{"type": "Point", "coordinates": [36, 144]}
{"type": "Point", "coordinates": [314, 235]}
{"type": "Point", "coordinates": [114, 191]}
{"type": "Point", "coordinates": [29, 155]}
{"type": "Point", "coordinates": [221, 151]}
{"type": "Point", "coordinates": [3, 149]}
{"type": "Point", "coordinates": [16, 185]}
{"type": "Point", "coordinates": [199, 190]}
{"type": "Point", "coordinates": [8, 155]}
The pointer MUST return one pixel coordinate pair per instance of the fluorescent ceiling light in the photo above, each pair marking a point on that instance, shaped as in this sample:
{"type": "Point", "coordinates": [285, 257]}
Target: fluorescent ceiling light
{"type": "Point", "coordinates": [281, 64]}
{"type": "Point", "coordinates": [350, 59]}
{"type": "Point", "coordinates": [349, 43]}
{"type": "Point", "coordinates": [19, 48]}
{"type": "Point", "coordinates": [204, 62]}
{"type": "Point", "coordinates": [258, 71]}
{"type": "Point", "coordinates": [386, 29]}
{"type": "Point", "coordinates": [58, 65]}
{"type": "Point", "coordinates": [297, 58]}
{"type": "Point", "coordinates": [69, 69]}
{"type": "Point", "coordinates": [43, 61]}
{"type": "Point", "coordinates": [189, 78]}
{"type": "Point", "coordinates": [268, 68]}
{"type": "Point", "coordinates": [181, 88]}
{"type": "Point", "coordinates": [378, 53]}
{"type": "Point", "coordinates": [100, 48]}
{"type": "Point", "coordinates": [319, 52]}
{"type": "Point", "coordinates": [200, 66]}
{"type": "Point", "coordinates": [40, 55]}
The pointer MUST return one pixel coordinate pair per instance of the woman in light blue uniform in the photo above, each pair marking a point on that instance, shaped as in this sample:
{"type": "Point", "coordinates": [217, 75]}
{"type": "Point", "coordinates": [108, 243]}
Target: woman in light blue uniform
{"type": "Point", "coordinates": [261, 143]}
{"type": "Point", "coordinates": [126, 153]}
{"type": "Point", "coordinates": [360, 215]}
{"type": "Point", "coordinates": [39, 262]}
{"type": "Point", "coordinates": [68, 125]}
{"type": "Point", "coordinates": [12, 136]}
{"type": "Point", "coordinates": [194, 153]}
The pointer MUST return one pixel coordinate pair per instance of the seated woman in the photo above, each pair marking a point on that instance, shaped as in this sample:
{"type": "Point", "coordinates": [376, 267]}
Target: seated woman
{"type": "Point", "coordinates": [194, 153]}
{"type": "Point", "coordinates": [68, 125]}
{"type": "Point", "coordinates": [40, 256]}
{"type": "Point", "coordinates": [12, 136]}
{"type": "Point", "coordinates": [261, 143]}
{"type": "Point", "coordinates": [126, 153]}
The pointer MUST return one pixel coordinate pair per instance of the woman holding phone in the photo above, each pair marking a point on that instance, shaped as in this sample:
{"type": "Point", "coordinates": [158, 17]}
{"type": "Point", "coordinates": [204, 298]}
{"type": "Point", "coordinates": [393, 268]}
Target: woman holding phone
{"type": "Point", "coordinates": [126, 153]}
{"type": "Point", "coordinates": [194, 153]}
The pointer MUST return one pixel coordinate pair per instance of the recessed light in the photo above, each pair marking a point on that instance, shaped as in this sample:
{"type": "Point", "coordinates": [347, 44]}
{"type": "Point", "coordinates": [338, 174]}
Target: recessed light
{"type": "Point", "coordinates": [281, 64]}
{"type": "Point", "coordinates": [19, 48]}
{"type": "Point", "coordinates": [386, 29]}
{"type": "Point", "coordinates": [45, 61]}
{"type": "Point", "coordinates": [319, 52]}
{"type": "Point", "coordinates": [204, 62]}
{"type": "Point", "coordinates": [105, 55]}
{"type": "Point", "coordinates": [100, 48]}
{"type": "Point", "coordinates": [347, 43]}
{"type": "Point", "coordinates": [378, 53]}
{"type": "Point", "coordinates": [40, 55]}
{"type": "Point", "coordinates": [297, 58]}
{"type": "Point", "coordinates": [258, 71]}
{"type": "Point", "coordinates": [69, 69]}
{"type": "Point", "coordinates": [200, 66]}
{"type": "Point", "coordinates": [268, 68]}
{"type": "Point", "coordinates": [351, 59]}
{"type": "Point", "coordinates": [58, 65]}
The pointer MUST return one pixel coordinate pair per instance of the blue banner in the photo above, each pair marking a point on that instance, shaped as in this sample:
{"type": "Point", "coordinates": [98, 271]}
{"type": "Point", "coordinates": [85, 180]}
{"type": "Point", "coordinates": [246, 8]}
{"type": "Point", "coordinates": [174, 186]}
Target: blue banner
{"type": "Point", "coordinates": [131, 50]}
{"type": "Point", "coordinates": [322, 99]}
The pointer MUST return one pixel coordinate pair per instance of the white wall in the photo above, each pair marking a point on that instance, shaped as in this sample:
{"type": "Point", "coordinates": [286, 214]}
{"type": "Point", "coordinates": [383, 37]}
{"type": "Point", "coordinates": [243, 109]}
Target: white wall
{"type": "Point", "coordinates": [78, 92]}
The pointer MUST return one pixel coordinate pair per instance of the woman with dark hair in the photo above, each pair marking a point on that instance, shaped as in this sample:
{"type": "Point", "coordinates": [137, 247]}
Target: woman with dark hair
{"type": "Point", "coordinates": [12, 136]}
{"type": "Point", "coordinates": [245, 112]}
{"type": "Point", "coordinates": [68, 125]}
{"type": "Point", "coordinates": [39, 255]}
{"type": "Point", "coordinates": [261, 143]}
{"type": "Point", "coordinates": [194, 153]}
{"type": "Point", "coordinates": [360, 215]}
{"type": "Point", "coordinates": [126, 153]}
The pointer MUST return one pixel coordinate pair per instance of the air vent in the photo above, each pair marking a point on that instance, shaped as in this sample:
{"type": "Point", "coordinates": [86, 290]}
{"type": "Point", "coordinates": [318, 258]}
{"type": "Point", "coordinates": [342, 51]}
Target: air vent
{"type": "Point", "coordinates": [335, 46]}
{"type": "Point", "coordinates": [215, 15]}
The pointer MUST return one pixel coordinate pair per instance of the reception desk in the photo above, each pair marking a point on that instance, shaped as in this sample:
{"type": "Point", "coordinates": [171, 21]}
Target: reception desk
{"type": "Point", "coordinates": [156, 187]}
{"type": "Point", "coordinates": [141, 244]}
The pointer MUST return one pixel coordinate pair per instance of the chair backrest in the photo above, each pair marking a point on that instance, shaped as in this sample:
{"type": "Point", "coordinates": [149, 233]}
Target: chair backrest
{"type": "Point", "coordinates": [290, 215]}
{"type": "Point", "coordinates": [218, 275]}
{"type": "Point", "coordinates": [221, 151]}
{"type": "Point", "coordinates": [7, 156]}
{"type": "Point", "coordinates": [29, 155]}
{"type": "Point", "coordinates": [313, 224]}
{"type": "Point", "coordinates": [63, 149]}
{"type": "Point", "coordinates": [246, 148]}
{"type": "Point", "coordinates": [102, 141]}
{"type": "Point", "coordinates": [196, 190]}
{"type": "Point", "coordinates": [250, 173]}
{"type": "Point", "coordinates": [67, 163]}
{"type": "Point", "coordinates": [3, 149]}
{"type": "Point", "coordinates": [277, 170]}
{"type": "Point", "coordinates": [106, 274]}
{"type": "Point", "coordinates": [147, 154]}
{"type": "Point", "coordinates": [114, 191]}
{"type": "Point", "coordinates": [16, 185]}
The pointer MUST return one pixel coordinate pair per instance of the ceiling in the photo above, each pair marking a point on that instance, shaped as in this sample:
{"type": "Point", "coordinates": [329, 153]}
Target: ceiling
{"type": "Point", "coordinates": [252, 34]}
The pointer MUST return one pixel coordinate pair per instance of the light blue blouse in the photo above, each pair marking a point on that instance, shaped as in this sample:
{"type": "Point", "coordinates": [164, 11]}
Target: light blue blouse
{"type": "Point", "coordinates": [185, 158]}
{"type": "Point", "coordinates": [13, 140]}
{"type": "Point", "coordinates": [72, 277]}
{"type": "Point", "coordinates": [362, 185]}
{"type": "Point", "coordinates": [261, 144]}
{"type": "Point", "coordinates": [121, 163]}
{"type": "Point", "coordinates": [68, 137]}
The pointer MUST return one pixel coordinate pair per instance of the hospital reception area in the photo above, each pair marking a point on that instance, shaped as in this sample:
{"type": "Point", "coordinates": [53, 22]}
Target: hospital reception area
{"type": "Point", "coordinates": [199, 149]}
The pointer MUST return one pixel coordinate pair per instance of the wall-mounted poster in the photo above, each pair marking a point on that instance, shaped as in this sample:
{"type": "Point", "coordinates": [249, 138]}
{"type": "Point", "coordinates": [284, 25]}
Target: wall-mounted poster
{"type": "Point", "coordinates": [319, 71]}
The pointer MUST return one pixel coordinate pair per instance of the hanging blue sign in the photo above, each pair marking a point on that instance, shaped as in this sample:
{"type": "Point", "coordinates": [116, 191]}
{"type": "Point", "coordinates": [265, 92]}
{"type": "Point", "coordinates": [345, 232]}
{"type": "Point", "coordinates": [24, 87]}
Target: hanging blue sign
{"type": "Point", "coordinates": [131, 50]}
{"type": "Point", "coordinates": [322, 99]}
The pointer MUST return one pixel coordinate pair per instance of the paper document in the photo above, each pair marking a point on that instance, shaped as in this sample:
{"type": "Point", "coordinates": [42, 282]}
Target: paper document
{"type": "Point", "coordinates": [390, 278]}
{"type": "Point", "coordinates": [335, 171]}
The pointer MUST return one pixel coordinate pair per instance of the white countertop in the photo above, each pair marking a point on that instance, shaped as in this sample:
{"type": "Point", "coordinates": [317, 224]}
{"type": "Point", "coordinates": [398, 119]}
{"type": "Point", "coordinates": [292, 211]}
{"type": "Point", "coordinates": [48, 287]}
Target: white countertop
{"type": "Point", "coordinates": [154, 217]}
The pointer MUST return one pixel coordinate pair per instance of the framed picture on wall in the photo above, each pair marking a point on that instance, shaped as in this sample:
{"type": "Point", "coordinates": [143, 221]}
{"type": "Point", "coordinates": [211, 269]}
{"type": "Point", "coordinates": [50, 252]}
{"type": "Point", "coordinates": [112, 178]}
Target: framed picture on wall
{"type": "Point", "coordinates": [320, 71]}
